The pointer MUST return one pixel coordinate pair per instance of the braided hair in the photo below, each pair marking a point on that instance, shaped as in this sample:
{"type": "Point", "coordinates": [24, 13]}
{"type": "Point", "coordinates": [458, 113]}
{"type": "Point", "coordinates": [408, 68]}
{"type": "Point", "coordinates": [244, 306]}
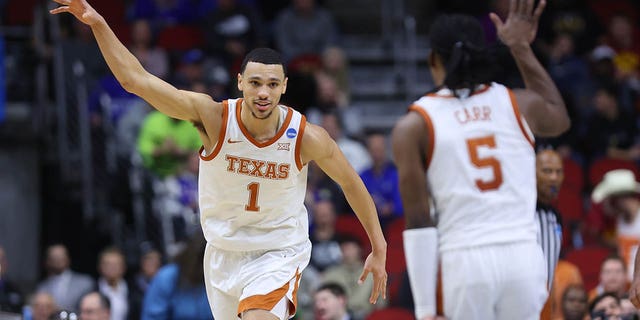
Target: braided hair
{"type": "Point", "coordinates": [460, 42]}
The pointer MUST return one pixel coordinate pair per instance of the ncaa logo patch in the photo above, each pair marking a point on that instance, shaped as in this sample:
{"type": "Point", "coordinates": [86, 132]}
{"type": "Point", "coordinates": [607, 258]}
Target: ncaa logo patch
{"type": "Point", "coordinates": [292, 133]}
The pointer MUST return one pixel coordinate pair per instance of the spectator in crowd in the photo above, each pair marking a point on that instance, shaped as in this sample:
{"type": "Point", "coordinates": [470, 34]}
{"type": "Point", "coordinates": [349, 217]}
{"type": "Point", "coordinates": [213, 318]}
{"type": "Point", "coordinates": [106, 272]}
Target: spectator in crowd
{"type": "Point", "coordinates": [65, 285]}
{"type": "Point", "coordinates": [353, 150]}
{"type": "Point", "coordinates": [191, 69]}
{"type": "Point", "coordinates": [232, 30]}
{"type": "Point", "coordinates": [613, 279]}
{"type": "Point", "coordinates": [152, 58]}
{"type": "Point", "coordinates": [177, 291]}
{"type": "Point", "coordinates": [575, 305]}
{"type": "Point", "coordinates": [95, 306]}
{"type": "Point", "coordinates": [150, 263]}
{"type": "Point", "coordinates": [606, 306]}
{"type": "Point", "coordinates": [331, 303]}
{"type": "Point", "coordinates": [627, 310]}
{"type": "Point", "coordinates": [304, 29]}
{"type": "Point", "coordinates": [42, 306]}
{"type": "Point", "coordinates": [611, 132]}
{"type": "Point", "coordinates": [567, 274]}
{"type": "Point", "coordinates": [618, 192]}
{"type": "Point", "coordinates": [347, 273]}
{"type": "Point", "coordinates": [11, 299]}
{"type": "Point", "coordinates": [381, 180]}
{"type": "Point", "coordinates": [623, 38]}
{"type": "Point", "coordinates": [326, 249]}
{"type": "Point", "coordinates": [336, 66]}
{"type": "Point", "coordinates": [111, 283]}
{"type": "Point", "coordinates": [573, 18]}
{"type": "Point", "coordinates": [165, 143]}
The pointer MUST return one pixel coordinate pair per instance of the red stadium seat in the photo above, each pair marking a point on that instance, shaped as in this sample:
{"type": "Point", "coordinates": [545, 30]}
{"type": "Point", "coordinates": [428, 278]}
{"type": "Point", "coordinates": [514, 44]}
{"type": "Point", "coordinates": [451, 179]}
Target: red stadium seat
{"type": "Point", "coordinates": [598, 168]}
{"type": "Point", "coordinates": [570, 205]}
{"type": "Point", "coordinates": [573, 175]}
{"type": "Point", "coordinates": [393, 233]}
{"type": "Point", "coordinates": [391, 314]}
{"type": "Point", "coordinates": [396, 268]}
{"type": "Point", "coordinates": [588, 260]}
{"type": "Point", "coordinates": [349, 224]}
{"type": "Point", "coordinates": [113, 10]}
{"type": "Point", "coordinates": [19, 12]}
{"type": "Point", "coordinates": [180, 38]}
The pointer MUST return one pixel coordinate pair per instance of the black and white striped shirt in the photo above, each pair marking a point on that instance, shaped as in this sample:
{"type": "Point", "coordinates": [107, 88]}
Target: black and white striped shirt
{"type": "Point", "coordinates": [549, 224]}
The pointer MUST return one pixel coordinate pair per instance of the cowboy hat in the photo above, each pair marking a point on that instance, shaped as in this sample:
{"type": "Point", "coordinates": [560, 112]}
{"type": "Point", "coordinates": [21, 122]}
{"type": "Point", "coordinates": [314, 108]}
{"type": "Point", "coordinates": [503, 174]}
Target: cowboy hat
{"type": "Point", "coordinates": [615, 182]}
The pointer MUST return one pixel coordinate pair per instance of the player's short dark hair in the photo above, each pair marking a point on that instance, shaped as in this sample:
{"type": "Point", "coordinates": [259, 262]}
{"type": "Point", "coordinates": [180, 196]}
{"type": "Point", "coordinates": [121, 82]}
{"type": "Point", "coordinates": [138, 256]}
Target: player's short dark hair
{"type": "Point", "coordinates": [459, 41]}
{"type": "Point", "coordinates": [264, 56]}
{"type": "Point", "coordinates": [336, 289]}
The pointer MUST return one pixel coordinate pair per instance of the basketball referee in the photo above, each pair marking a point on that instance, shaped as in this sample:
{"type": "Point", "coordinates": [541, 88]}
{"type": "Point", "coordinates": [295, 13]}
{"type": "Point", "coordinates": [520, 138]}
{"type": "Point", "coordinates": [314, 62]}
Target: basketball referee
{"type": "Point", "coordinates": [549, 176]}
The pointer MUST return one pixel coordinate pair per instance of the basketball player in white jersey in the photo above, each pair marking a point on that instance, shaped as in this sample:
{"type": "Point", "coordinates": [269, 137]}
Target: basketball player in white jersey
{"type": "Point", "coordinates": [253, 174]}
{"type": "Point", "coordinates": [473, 140]}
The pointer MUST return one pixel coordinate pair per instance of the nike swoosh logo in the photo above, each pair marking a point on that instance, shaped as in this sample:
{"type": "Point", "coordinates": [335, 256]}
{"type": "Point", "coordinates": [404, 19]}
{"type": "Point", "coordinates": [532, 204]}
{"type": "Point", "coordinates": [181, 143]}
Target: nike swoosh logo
{"type": "Point", "coordinates": [233, 141]}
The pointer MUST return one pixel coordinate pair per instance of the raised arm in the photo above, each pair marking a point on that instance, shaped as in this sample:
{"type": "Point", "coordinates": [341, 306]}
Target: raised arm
{"type": "Point", "coordinates": [541, 102]}
{"type": "Point", "coordinates": [319, 147]}
{"type": "Point", "coordinates": [127, 69]}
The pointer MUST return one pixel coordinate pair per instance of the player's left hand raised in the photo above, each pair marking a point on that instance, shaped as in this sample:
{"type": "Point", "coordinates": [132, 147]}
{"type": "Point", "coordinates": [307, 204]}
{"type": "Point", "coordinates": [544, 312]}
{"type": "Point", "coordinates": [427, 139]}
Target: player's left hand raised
{"type": "Point", "coordinates": [376, 263]}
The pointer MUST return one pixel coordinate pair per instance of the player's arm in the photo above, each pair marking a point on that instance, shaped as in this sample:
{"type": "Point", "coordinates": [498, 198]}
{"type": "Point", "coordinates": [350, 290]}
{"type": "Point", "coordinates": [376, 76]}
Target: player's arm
{"type": "Point", "coordinates": [130, 73]}
{"type": "Point", "coordinates": [319, 147]}
{"type": "Point", "coordinates": [540, 103]}
{"type": "Point", "coordinates": [634, 291]}
{"type": "Point", "coordinates": [410, 142]}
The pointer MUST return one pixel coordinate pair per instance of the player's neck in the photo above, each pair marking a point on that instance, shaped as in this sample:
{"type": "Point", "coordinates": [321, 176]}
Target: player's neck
{"type": "Point", "coordinates": [260, 129]}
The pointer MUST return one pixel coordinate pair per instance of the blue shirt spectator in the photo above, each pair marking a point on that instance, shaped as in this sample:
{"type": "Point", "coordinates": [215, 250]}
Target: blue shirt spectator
{"type": "Point", "coordinates": [165, 300]}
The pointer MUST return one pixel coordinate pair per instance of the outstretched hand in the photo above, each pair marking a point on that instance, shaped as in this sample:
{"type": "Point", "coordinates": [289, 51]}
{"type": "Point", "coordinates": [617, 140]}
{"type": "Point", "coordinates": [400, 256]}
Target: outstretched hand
{"type": "Point", "coordinates": [521, 25]}
{"type": "Point", "coordinates": [375, 263]}
{"type": "Point", "coordinates": [79, 9]}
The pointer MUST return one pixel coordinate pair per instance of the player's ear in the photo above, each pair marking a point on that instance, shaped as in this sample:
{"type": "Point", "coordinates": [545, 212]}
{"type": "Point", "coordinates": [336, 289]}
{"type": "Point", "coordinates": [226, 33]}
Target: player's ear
{"type": "Point", "coordinates": [239, 81]}
{"type": "Point", "coordinates": [284, 85]}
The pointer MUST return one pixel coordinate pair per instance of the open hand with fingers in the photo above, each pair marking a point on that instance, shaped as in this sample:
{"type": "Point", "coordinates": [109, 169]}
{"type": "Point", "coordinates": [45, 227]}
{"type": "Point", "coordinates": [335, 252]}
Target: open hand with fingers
{"type": "Point", "coordinates": [375, 263]}
{"type": "Point", "coordinates": [79, 9]}
{"type": "Point", "coordinates": [521, 26]}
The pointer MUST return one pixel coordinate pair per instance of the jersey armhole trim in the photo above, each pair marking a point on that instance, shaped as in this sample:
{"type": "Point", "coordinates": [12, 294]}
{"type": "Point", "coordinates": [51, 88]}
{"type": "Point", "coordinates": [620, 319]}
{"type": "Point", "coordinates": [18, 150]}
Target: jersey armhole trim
{"type": "Point", "coordinates": [221, 134]}
{"type": "Point", "coordinates": [430, 132]}
{"type": "Point", "coordinates": [516, 111]}
{"type": "Point", "coordinates": [298, 155]}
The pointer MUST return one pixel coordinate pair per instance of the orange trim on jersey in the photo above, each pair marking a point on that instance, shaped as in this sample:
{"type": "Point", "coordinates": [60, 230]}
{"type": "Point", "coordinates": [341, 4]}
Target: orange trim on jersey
{"type": "Point", "coordinates": [430, 132]}
{"type": "Point", "coordinates": [294, 305]}
{"type": "Point", "coordinates": [516, 110]}
{"type": "Point", "coordinates": [303, 124]}
{"type": "Point", "coordinates": [221, 134]}
{"type": "Point", "coordinates": [248, 135]}
{"type": "Point", "coordinates": [268, 301]}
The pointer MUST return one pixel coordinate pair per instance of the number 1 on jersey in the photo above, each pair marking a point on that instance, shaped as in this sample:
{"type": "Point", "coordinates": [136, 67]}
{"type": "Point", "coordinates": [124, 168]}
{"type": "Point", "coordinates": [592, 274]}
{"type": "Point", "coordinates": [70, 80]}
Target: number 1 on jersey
{"type": "Point", "coordinates": [254, 188]}
{"type": "Point", "coordinates": [490, 162]}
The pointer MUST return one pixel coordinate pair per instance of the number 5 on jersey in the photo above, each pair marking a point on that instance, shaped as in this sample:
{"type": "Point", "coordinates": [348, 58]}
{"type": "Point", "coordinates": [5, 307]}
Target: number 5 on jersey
{"type": "Point", "coordinates": [486, 162]}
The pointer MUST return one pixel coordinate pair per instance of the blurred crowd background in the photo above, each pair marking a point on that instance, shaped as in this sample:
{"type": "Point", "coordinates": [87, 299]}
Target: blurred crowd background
{"type": "Point", "coordinates": [95, 181]}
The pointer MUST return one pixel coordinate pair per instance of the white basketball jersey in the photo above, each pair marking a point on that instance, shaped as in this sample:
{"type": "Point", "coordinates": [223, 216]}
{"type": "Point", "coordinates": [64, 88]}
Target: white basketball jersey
{"type": "Point", "coordinates": [481, 168]}
{"type": "Point", "coordinates": [252, 193]}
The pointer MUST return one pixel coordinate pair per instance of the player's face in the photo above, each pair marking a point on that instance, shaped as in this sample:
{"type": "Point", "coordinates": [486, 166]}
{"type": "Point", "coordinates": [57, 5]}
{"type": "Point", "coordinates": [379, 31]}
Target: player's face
{"type": "Point", "coordinates": [262, 85]}
{"type": "Point", "coordinates": [549, 175]}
